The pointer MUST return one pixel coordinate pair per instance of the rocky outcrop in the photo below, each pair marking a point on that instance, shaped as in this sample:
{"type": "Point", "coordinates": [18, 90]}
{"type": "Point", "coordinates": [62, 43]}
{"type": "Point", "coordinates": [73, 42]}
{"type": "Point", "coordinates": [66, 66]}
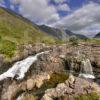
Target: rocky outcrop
{"type": "Point", "coordinates": [72, 87]}
{"type": "Point", "coordinates": [11, 89]}
{"type": "Point", "coordinates": [59, 59]}
{"type": "Point", "coordinates": [26, 96]}
{"type": "Point", "coordinates": [56, 57]}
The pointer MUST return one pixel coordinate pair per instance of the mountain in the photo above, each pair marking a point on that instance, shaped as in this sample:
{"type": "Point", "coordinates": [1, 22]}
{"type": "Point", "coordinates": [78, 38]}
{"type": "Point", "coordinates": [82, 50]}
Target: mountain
{"type": "Point", "coordinates": [17, 30]}
{"type": "Point", "coordinates": [97, 35]}
{"type": "Point", "coordinates": [74, 34]}
{"type": "Point", "coordinates": [60, 34]}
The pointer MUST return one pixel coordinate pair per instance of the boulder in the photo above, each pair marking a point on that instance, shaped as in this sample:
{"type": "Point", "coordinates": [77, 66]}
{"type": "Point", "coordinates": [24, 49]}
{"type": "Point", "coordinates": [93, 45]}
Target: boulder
{"type": "Point", "coordinates": [80, 87]}
{"type": "Point", "coordinates": [30, 84]}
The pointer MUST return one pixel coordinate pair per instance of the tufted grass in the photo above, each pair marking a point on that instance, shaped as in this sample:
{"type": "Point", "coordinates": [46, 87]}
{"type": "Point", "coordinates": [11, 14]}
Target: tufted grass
{"type": "Point", "coordinates": [91, 96]}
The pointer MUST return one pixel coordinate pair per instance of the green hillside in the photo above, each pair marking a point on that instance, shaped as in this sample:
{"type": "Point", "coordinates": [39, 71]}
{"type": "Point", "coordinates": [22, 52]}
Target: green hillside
{"type": "Point", "coordinates": [16, 30]}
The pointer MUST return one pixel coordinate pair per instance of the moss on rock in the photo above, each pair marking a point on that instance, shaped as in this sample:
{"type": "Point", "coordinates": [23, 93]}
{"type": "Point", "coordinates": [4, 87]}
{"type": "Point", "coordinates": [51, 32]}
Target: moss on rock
{"type": "Point", "coordinates": [91, 96]}
{"type": "Point", "coordinates": [55, 79]}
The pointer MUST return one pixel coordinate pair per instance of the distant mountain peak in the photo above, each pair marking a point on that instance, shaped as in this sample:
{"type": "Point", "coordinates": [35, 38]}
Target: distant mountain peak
{"type": "Point", "coordinates": [97, 35]}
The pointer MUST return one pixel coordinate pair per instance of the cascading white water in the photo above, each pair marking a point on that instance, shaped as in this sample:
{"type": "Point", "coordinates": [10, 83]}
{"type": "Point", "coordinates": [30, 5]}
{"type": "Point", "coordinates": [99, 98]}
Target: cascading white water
{"type": "Point", "coordinates": [86, 69]}
{"type": "Point", "coordinates": [20, 67]}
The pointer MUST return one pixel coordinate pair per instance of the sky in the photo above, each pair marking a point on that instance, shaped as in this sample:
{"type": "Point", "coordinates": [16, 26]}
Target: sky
{"type": "Point", "coordinates": [78, 16]}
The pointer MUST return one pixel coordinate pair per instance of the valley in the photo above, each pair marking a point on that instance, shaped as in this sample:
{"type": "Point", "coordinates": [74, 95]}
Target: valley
{"type": "Point", "coordinates": [39, 62]}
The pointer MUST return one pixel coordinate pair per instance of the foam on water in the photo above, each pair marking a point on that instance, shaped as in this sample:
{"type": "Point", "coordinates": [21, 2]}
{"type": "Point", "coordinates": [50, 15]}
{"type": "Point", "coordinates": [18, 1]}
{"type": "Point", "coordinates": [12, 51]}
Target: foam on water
{"type": "Point", "coordinates": [20, 67]}
{"type": "Point", "coordinates": [87, 76]}
{"type": "Point", "coordinates": [86, 69]}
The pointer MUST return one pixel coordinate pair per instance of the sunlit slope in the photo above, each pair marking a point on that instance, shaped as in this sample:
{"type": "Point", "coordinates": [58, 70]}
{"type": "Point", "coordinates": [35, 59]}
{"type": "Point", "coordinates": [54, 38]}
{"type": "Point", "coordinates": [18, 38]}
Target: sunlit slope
{"type": "Point", "coordinates": [15, 28]}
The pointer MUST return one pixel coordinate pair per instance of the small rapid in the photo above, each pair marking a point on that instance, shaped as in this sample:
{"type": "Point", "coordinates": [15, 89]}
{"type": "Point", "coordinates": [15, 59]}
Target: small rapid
{"type": "Point", "coordinates": [21, 67]}
{"type": "Point", "coordinates": [86, 69]}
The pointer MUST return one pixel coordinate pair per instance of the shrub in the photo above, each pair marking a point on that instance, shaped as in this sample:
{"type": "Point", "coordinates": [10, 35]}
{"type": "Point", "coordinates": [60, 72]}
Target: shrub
{"type": "Point", "coordinates": [74, 40]}
{"type": "Point", "coordinates": [7, 48]}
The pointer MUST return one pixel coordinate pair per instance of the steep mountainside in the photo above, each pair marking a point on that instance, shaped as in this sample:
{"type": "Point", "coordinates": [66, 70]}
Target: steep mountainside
{"type": "Point", "coordinates": [60, 34]}
{"type": "Point", "coordinates": [16, 30]}
{"type": "Point", "coordinates": [97, 35]}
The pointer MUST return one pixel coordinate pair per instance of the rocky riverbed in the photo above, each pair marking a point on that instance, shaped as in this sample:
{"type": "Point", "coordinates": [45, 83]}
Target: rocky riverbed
{"type": "Point", "coordinates": [52, 72]}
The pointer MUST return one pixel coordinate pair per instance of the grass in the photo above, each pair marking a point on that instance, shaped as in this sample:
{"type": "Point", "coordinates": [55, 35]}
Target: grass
{"type": "Point", "coordinates": [55, 79]}
{"type": "Point", "coordinates": [7, 47]}
{"type": "Point", "coordinates": [19, 30]}
{"type": "Point", "coordinates": [96, 40]}
{"type": "Point", "coordinates": [91, 96]}
{"type": "Point", "coordinates": [16, 30]}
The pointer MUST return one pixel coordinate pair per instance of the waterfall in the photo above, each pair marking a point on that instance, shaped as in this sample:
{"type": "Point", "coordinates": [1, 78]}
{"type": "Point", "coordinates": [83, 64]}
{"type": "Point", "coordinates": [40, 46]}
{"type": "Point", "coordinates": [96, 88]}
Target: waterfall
{"type": "Point", "coordinates": [20, 68]}
{"type": "Point", "coordinates": [86, 69]}
{"type": "Point", "coordinates": [71, 67]}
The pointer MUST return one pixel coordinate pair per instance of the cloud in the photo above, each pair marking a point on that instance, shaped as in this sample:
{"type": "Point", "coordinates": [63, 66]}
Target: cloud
{"type": "Point", "coordinates": [90, 31]}
{"type": "Point", "coordinates": [15, 1]}
{"type": "Point", "coordinates": [59, 1]}
{"type": "Point", "coordinates": [12, 7]}
{"type": "Point", "coordinates": [2, 3]}
{"type": "Point", "coordinates": [81, 18]}
{"type": "Point", "coordinates": [38, 11]}
{"type": "Point", "coordinates": [63, 7]}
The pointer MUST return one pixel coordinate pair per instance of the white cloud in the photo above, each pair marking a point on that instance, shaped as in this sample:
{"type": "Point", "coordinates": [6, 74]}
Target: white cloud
{"type": "Point", "coordinates": [37, 10]}
{"type": "Point", "coordinates": [63, 7]}
{"type": "Point", "coordinates": [12, 7]}
{"type": "Point", "coordinates": [2, 3]}
{"type": "Point", "coordinates": [81, 18]}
